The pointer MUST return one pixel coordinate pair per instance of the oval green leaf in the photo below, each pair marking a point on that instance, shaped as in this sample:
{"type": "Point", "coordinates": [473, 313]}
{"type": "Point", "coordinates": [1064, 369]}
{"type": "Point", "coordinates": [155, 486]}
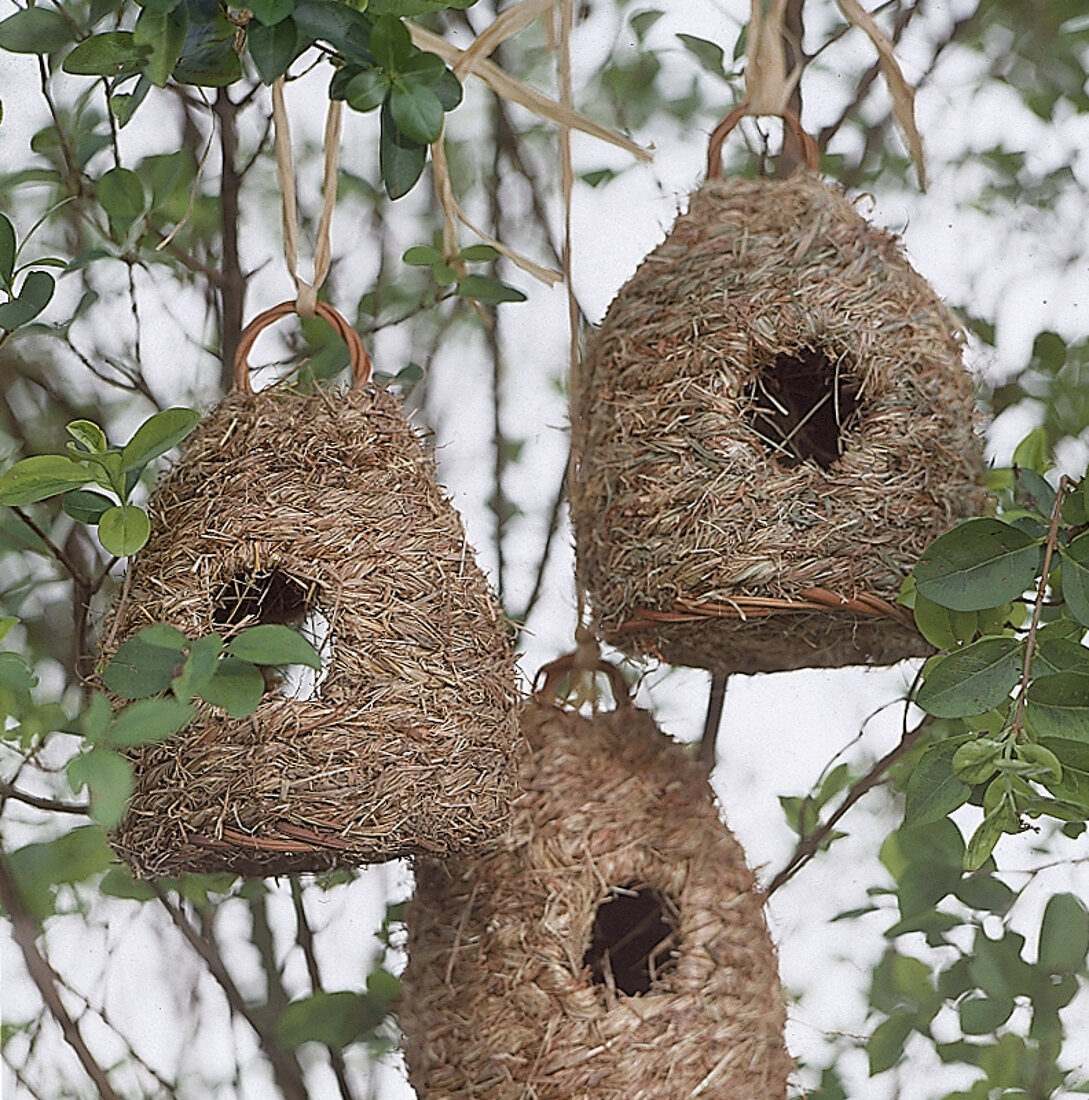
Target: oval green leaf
{"type": "Point", "coordinates": [1058, 706]}
{"type": "Point", "coordinates": [237, 687]}
{"type": "Point", "coordinates": [271, 12]}
{"type": "Point", "coordinates": [88, 433]}
{"type": "Point", "coordinates": [979, 564]}
{"type": "Point", "coordinates": [933, 791]}
{"type": "Point", "coordinates": [400, 162]}
{"type": "Point", "coordinates": [34, 479]}
{"type": "Point", "coordinates": [366, 90]}
{"type": "Point", "coordinates": [273, 48]}
{"type": "Point", "coordinates": [416, 110]}
{"type": "Point", "coordinates": [108, 777]}
{"type": "Point", "coordinates": [140, 669]}
{"type": "Point", "coordinates": [972, 680]}
{"type": "Point", "coordinates": [86, 506]}
{"type": "Point", "coordinates": [1064, 935]}
{"type": "Point", "coordinates": [157, 435]}
{"type": "Point", "coordinates": [35, 30]}
{"type": "Point", "coordinates": [7, 246]}
{"type": "Point", "coordinates": [124, 529]}
{"type": "Point", "coordinates": [482, 288]}
{"type": "Point", "coordinates": [274, 644]}
{"type": "Point", "coordinates": [122, 196]}
{"type": "Point", "coordinates": [980, 1015]}
{"type": "Point", "coordinates": [114, 53]}
{"type": "Point", "coordinates": [35, 295]}
{"type": "Point", "coordinates": [1075, 587]}
{"type": "Point", "coordinates": [148, 721]}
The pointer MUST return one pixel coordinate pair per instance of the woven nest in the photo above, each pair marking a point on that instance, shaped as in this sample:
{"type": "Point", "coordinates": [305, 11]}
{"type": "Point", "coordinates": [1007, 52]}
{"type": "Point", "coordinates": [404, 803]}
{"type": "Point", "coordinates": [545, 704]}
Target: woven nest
{"type": "Point", "coordinates": [771, 424]}
{"type": "Point", "coordinates": [281, 506]}
{"type": "Point", "coordinates": [612, 948]}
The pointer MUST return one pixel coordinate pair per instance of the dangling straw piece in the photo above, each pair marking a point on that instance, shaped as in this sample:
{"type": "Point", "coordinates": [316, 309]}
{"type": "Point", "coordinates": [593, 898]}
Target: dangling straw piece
{"type": "Point", "coordinates": [306, 302]}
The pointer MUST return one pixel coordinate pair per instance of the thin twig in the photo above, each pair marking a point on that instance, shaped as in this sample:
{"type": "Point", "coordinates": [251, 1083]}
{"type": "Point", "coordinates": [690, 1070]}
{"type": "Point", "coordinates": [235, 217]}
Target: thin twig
{"type": "Point", "coordinates": [809, 845]}
{"type": "Point", "coordinates": [713, 720]}
{"type": "Point", "coordinates": [70, 566]}
{"type": "Point", "coordinates": [1038, 606]}
{"type": "Point", "coordinates": [24, 930]}
{"type": "Point", "coordinates": [9, 790]}
{"type": "Point", "coordinates": [304, 937]}
{"type": "Point", "coordinates": [284, 1066]}
{"type": "Point", "coordinates": [546, 550]}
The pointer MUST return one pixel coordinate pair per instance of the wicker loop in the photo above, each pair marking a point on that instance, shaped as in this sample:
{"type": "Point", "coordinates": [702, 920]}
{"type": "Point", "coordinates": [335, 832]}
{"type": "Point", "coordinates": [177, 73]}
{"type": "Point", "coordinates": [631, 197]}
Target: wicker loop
{"type": "Point", "coordinates": [550, 675]}
{"type": "Point", "coordinates": [807, 144]}
{"type": "Point", "coordinates": [357, 354]}
{"type": "Point", "coordinates": [749, 607]}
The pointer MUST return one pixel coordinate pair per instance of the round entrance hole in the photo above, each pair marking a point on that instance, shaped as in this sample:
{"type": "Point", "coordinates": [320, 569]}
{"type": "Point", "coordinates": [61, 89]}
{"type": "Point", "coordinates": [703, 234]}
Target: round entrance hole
{"type": "Point", "coordinates": [800, 406]}
{"type": "Point", "coordinates": [634, 937]}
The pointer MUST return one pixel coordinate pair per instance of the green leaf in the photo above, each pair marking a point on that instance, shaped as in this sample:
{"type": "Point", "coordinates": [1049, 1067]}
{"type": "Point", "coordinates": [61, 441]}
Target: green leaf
{"type": "Point", "coordinates": [933, 791]}
{"type": "Point", "coordinates": [983, 840]}
{"type": "Point", "coordinates": [1058, 706]}
{"type": "Point", "coordinates": [885, 1047]}
{"type": "Point", "coordinates": [400, 162]}
{"type": "Point", "coordinates": [708, 54]}
{"type": "Point", "coordinates": [447, 87]}
{"type": "Point", "coordinates": [35, 295]}
{"type": "Point", "coordinates": [345, 28]}
{"type": "Point", "coordinates": [7, 622]}
{"type": "Point", "coordinates": [985, 892]}
{"type": "Point", "coordinates": [980, 1015]}
{"type": "Point", "coordinates": [124, 529]}
{"type": "Point", "coordinates": [1032, 452]}
{"type": "Point", "coordinates": [148, 721]}
{"type": "Point", "coordinates": [478, 254]}
{"type": "Point", "coordinates": [199, 668]}
{"type": "Point", "coordinates": [208, 57]}
{"type": "Point", "coordinates": [271, 12]}
{"type": "Point", "coordinates": [391, 44]}
{"type": "Point", "coordinates": [34, 479]}
{"type": "Point", "coordinates": [417, 111]}
{"type": "Point", "coordinates": [118, 883]}
{"type": "Point", "coordinates": [35, 30]}
{"type": "Point", "coordinates": [977, 760]}
{"type": "Point", "coordinates": [1049, 767]}
{"type": "Point", "coordinates": [165, 636]}
{"type": "Point", "coordinates": [237, 687]}
{"type": "Point", "coordinates": [1075, 586]}
{"type": "Point", "coordinates": [157, 435]}
{"type": "Point", "coordinates": [122, 197]}
{"type": "Point", "coordinates": [273, 48]}
{"type": "Point", "coordinates": [422, 255]}
{"type": "Point", "coordinates": [89, 434]}
{"type": "Point", "coordinates": [414, 7]}
{"type": "Point", "coordinates": [8, 246]}
{"type": "Point", "coordinates": [979, 564]}
{"type": "Point", "coordinates": [274, 644]}
{"type": "Point", "coordinates": [109, 781]}
{"type": "Point", "coordinates": [333, 1019]}
{"type": "Point", "coordinates": [86, 506]}
{"type": "Point", "coordinates": [140, 669]}
{"type": "Point", "coordinates": [71, 857]}
{"type": "Point", "coordinates": [1064, 935]}
{"type": "Point", "coordinates": [367, 90]}
{"type": "Point", "coordinates": [642, 21]}
{"type": "Point", "coordinates": [489, 291]}
{"type": "Point", "coordinates": [113, 53]}
{"type": "Point", "coordinates": [164, 33]}
{"type": "Point", "coordinates": [1059, 655]}
{"type": "Point", "coordinates": [972, 680]}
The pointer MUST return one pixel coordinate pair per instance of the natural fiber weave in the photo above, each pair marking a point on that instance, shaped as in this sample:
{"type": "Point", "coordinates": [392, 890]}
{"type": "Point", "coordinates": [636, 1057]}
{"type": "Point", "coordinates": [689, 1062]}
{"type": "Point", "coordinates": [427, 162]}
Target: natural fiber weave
{"type": "Point", "coordinates": [697, 527]}
{"type": "Point", "coordinates": [408, 745]}
{"type": "Point", "coordinates": [498, 1002]}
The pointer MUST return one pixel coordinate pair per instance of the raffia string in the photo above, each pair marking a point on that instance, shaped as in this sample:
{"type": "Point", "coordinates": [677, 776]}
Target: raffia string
{"type": "Point", "coordinates": [285, 168]}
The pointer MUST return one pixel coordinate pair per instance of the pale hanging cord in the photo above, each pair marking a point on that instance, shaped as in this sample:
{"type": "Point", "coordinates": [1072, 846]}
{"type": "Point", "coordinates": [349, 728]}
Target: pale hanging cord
{"type": "Point", "coordinates": [307, 293]}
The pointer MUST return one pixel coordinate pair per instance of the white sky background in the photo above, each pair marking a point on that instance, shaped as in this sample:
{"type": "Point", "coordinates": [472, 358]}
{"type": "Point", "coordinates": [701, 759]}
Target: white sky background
{"type": "Point", "coordinates": [778, 731]}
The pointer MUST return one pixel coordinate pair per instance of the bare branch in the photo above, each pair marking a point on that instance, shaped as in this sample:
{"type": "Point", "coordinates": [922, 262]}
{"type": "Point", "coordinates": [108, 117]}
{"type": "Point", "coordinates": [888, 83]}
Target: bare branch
{"type": "Point", "coordinates": [24, 929]}
{"type": "Point", "coordinates": [9, 790]}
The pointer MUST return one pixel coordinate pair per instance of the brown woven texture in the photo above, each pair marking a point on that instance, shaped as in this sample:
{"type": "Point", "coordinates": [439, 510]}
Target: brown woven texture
{"type": "Point", "coordinates": [408, 746]}
{"type": "Point", "coordinates": [703, 498]}
{"type": "Point", "coordinates": [498, 1002]}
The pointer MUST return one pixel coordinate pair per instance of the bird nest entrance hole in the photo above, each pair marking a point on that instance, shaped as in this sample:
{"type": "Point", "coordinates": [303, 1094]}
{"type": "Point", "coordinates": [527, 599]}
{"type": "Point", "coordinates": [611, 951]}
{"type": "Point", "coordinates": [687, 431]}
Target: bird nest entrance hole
{"type": "Point", "coordinates": [801, 403]}
{"type": "Point", "coordinates": [634, 939]}
{"type": "Point", "coordinates": [273, 596]}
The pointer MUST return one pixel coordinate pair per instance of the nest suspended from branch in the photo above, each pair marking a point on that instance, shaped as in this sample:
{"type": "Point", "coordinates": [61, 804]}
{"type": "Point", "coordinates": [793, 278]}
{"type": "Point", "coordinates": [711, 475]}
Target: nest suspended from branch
{"type": "Point", "coordinates": [612, 947]}
{"type": "Point", "coordinates": [771, 424]}
{"type": "Point", "coordinates": [291, 507]}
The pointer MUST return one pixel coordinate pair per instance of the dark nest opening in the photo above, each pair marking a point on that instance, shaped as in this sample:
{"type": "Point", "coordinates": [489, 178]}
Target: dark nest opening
{"type": "Point", "coordinates": [259, 598]}
{"type": "Point", "coordinates": [635, 935]}
{"type": "Point", "coordinates": [800, 405]}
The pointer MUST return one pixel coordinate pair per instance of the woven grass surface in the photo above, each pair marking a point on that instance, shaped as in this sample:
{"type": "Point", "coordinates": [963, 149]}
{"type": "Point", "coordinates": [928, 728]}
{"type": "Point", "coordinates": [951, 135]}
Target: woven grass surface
{"type": "Point", "coordinates": [499, 1000]}
{"type": "Point", "coordinates": [773, 412]}
{"type": "Point", "coordinates": [408, 745]}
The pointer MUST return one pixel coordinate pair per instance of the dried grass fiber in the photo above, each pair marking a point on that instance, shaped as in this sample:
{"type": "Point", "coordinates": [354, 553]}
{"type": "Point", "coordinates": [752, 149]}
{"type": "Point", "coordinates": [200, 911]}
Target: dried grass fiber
{"type": "Point", "coordinates": [497, 1003]}
{"type": "Point", "coordinates": [692, 525]}
{"type": "Point", "coordinates": [408, 745]}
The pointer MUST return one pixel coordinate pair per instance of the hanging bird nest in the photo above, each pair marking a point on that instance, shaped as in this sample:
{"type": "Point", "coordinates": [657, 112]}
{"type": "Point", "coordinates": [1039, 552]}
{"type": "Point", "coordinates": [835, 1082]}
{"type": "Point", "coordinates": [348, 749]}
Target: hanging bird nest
{"type": "Point", "coordinates": [298, 507]}
{"type": "Point", "coordinates": [770, 425]}
{"type": "Point", "coordinates": [612, 947]}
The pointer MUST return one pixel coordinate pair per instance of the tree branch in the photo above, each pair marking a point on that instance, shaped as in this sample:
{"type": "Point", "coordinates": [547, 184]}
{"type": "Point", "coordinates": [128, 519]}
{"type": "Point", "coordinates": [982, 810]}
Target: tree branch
{"type": "Point", "coordinates": [284, 1066]}
{"type": "Point", "coordinates": [232, 289]}
{"type": "Point", "coordinates": [809, 845]}
{"type": "Point", "coordinates": [713, 720]}
{"type": "Point", "coordinates": [9, 790]}
{"type": "Point", "coordinates": [24, 929]}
